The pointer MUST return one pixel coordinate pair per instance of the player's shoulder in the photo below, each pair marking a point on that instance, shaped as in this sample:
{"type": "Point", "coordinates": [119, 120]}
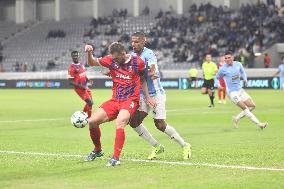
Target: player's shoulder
{"type": "Point", "coordinates": [237, 63]}
{"type": "Point", "coordinates": [149, 52]}
{"type": "Point", "coordinates": [107, 58]}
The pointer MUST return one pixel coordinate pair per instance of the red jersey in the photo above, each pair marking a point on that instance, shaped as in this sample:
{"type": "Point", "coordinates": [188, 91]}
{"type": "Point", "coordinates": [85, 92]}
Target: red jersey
{"type": "Point", "coordinates": [79, 73]}
{"type": "Point", "coordinates": [125, 77]}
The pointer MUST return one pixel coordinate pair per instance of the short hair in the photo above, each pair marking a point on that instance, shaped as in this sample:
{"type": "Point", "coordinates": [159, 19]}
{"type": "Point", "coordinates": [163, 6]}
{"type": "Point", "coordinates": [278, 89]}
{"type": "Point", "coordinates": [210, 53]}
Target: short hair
{"type": "Point", "coordinates": [139, 34]}
{"type": "Point", "coordinates": [74, 52]}
{"type": "Point", "coordinates": [228, 53]}
{"type": "Point", "coordinates": [116, 47]}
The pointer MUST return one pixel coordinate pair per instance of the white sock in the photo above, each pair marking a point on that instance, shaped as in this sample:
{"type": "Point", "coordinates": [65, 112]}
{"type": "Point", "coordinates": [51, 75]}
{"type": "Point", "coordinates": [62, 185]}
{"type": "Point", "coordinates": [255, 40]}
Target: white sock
{"type": "Point", "coordinates": [144, 133]}
{"type": "Point", "coordinates": [171, 132]}
{"type": "Point", "coordinates": [251, 116]}
{"type": "Point", "coordinates": [242, 114]}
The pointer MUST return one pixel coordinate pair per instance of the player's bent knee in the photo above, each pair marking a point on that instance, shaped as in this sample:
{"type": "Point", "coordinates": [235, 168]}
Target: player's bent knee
{"type": "Point", "coordinates": [89, 102]}
{"type": "Point", "coordinates": [160, 124]}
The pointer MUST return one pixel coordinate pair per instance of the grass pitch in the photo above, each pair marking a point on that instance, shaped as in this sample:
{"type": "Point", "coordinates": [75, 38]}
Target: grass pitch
{"type": "Point", "coordinates": [37, 122]}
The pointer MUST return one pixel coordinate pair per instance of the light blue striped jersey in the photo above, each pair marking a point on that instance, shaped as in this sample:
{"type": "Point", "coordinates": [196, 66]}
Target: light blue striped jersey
{"type": "Point", "coordinates": [281, 70]}
{"type": "Point", "coordinates": [232, 75]}
{"type": "Point", "coordinates": [149, 58]}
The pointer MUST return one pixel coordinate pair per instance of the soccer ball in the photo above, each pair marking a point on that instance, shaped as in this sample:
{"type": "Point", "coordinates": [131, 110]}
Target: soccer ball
{"type": "Point", "coordinates": [79, 119]}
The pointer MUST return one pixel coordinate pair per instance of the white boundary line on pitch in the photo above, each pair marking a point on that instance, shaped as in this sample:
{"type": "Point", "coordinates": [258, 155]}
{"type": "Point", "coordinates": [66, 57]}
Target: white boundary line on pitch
{"type": "Point", "coordinates": [154, 161]}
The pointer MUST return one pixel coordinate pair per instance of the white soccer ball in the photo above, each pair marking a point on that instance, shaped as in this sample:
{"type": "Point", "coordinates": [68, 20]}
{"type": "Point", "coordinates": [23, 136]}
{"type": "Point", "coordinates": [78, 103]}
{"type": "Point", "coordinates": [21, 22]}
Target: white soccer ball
{"type": "Point", "coordinates": [79, 119]}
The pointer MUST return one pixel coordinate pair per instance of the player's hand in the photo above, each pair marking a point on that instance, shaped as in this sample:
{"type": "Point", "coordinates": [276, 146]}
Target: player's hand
{"type": "Point", "coordinates": [245, 83]}
{"type": "Point", "coordinates": [151, 102]}
{"type": "Point", "coordinates": [220, 87]}
{"type": "Point", "coordinates": [88, 48]}
{"type": "Point", "coordinates": [90, 83]}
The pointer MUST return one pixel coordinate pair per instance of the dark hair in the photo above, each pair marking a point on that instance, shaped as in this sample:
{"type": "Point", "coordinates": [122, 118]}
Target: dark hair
{"type": "Point", "coordinates": [116, 47]}
{"type": "Point", "coordinates": [139, 34]}
{"type": "Point", "coordinates": [282, 58]}
{"type": "Point", "coordinates": [74, 52]}
{"type": "Point", "coordinates": [228, 53]}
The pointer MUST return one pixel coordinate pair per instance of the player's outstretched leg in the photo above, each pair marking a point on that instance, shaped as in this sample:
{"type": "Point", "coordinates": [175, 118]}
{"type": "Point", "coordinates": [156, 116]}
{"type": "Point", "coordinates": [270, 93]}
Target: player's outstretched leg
{"type": "Point", "coordinates": [95, 134]}
{"type": "Point", "coordinates": [173, 134]}
{"type": "Point", "coordinates": [95, 120]}
{"type": "Point", "coordinates": [238, 117]}
{"type": "Point", "coordinates": [145, 134]}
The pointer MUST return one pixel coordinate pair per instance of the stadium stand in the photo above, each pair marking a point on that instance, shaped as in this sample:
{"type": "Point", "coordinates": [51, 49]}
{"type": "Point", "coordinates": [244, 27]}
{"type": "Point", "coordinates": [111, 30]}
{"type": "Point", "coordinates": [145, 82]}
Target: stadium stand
{"type": "Point", "coordinates": [179, 40]}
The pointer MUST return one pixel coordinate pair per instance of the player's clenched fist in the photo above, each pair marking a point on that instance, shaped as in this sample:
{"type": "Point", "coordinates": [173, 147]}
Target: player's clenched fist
{"type": "Point", "coordinates": [88, 48]}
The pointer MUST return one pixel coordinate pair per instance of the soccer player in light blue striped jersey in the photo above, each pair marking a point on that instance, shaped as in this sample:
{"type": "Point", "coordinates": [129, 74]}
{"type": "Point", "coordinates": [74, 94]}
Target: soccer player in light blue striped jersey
{"type": "Point", "coordinates": [233, 72]}
{"type": "Point", "coordinates": [157, 92]}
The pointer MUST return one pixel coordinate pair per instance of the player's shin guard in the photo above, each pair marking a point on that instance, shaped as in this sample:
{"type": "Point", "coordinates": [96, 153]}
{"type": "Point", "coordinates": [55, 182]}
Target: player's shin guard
{"type": "Point", "coordinates": [88, 110]}
{"type": "Point", "coordinates": [171, 132]}
{"type": "Point", "coordinates": [144, 133]}
{"type": "Point", "coordinates": [251, 116]}
{"type": "Point", "coordinates": [119, 142]}
{"type": "Point", "coordinates": [95, 134]}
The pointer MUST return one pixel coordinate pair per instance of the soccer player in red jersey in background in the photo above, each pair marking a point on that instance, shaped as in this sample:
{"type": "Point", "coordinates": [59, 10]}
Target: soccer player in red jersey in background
{"type": "Point", "coordinates": [78, 78]}
{"type": "Point", "coordinates": [127, 73]}
{"type": "Point", "coordinates": [221, 83]}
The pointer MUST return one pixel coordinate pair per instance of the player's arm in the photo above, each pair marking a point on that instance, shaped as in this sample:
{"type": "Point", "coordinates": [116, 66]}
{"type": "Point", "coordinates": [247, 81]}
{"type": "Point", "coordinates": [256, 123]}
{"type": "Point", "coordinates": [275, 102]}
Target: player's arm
{"type": "Point", "coordinates": [277, 72]}
{"type": "Point", "coordinates": [219, 75]}
{"type": "Point", "coordinates": [152, 72]}
{"type": "Point", "coordinates": [144, 87]}
{"type": "Point", "coordinates": [91, 60]}
{"type": "Point", "coordinates": [78, 85]}
{"type": "Point", "coordinates": [152, 65]}
{"type": "Point", "coordinates": [244, 75]}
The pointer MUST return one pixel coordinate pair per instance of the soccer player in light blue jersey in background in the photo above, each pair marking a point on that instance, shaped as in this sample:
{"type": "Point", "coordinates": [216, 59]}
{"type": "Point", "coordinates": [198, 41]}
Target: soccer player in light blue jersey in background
{"type": "Point", "coordinates": [281, 71]}
{"type": "Point", "coordinates": [233, 72]}
{"type": "Point", "coordinates": [156, 91]}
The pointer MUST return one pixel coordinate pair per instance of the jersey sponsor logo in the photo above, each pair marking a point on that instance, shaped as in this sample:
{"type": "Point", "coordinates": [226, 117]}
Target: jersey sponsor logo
{"type": "Point", "coordinates": [83, 74]}
{"type": "Point", "coordinates": [122, 76]}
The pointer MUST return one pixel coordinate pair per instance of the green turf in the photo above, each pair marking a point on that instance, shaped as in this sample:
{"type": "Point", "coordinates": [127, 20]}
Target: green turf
{"type": "Point", "coordinates": [208, 130]}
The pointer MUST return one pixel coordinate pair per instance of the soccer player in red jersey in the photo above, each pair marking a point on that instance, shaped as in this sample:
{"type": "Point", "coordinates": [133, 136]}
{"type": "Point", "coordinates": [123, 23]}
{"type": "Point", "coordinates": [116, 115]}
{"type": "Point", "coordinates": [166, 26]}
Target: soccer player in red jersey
{"type": "Point", "coordinates": [127, 73]}
{"type": "Point", "coordinates": [221, 83]}
{"type": "Point", "coordinates": [78, 78]}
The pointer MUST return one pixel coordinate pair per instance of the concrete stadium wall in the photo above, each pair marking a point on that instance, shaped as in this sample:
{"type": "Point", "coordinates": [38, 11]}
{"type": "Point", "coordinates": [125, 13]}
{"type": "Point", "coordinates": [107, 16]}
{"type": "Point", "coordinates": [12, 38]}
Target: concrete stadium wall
{"type": "Point", "coordinates": [7, 10]}
{"type": "Point", "coordinates": [79, 8]}
{"type": "Point", "coordinates": [106, 7]}
{"type": "Point", "coordinates": [275, 52]}
{"type": "Point", "coordinates": [45, 9]}
{"type": "Point", "coordinates": [157, 5]}
{"type": "Point", "coordinates": [29, 10]}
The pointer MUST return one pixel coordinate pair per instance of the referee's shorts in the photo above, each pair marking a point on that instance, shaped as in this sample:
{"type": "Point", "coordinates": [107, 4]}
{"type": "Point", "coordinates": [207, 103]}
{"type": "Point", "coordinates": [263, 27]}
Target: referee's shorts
{"type": "Point", "coordinates": [208, 84]}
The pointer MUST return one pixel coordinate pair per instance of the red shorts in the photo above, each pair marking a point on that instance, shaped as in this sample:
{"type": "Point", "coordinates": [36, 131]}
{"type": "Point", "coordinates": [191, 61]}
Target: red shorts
{"type": "Point", "coordinates": [84, 93]}
{"type": "Point", "coordinates": [222, 83]}
{"type": "Point", "coordinates": [112, 107]}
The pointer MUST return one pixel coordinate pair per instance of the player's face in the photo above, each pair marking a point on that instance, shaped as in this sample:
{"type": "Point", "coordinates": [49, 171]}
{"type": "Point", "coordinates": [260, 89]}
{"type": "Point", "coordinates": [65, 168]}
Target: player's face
{"type": "Point", "coordinates": [119, 57]}
{"type": "Point", "coordinates": [208, 58]}
{"type": "Point", "coordinates": [137, 43]}
{"type": "Point", "coordinates": [222, 59]}
{"type": "Point", "coordinates": [229, 59]}
{"type": "Point", "coordinates": [75, 57]}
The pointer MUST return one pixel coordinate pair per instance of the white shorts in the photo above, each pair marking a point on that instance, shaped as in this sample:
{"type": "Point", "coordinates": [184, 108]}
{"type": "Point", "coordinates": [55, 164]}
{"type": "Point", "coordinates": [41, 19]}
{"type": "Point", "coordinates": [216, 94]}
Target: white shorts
{"type": "Point", "coordinates": [160, 110]}
{"type": "Point", "coordinates": [238, 96]}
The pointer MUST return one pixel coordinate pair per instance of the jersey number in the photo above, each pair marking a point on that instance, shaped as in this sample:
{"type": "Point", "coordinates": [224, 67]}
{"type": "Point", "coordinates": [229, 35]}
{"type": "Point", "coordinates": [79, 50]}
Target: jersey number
{"type": "Point", "coordinates": [132, 105]}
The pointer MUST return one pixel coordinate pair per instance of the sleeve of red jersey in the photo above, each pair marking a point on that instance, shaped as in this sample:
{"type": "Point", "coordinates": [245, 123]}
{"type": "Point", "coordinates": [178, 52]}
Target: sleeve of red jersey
{"type": "Point", "coordinates": [141, 65]}
{"type": "Point", "coordinates": [71, 72]}
{"type": "Point", "coordinates": [105, 61]}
